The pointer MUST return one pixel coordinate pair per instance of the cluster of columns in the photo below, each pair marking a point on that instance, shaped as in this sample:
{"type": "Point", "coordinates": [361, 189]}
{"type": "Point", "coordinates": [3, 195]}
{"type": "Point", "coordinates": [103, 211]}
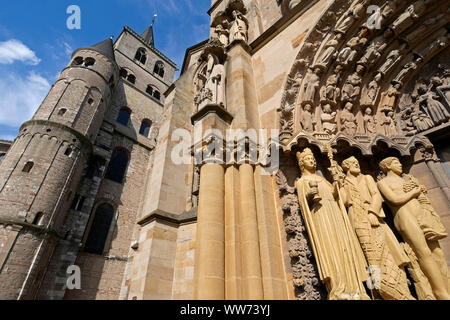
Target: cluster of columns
{"type": "Point", "coordinates": [238, 246]}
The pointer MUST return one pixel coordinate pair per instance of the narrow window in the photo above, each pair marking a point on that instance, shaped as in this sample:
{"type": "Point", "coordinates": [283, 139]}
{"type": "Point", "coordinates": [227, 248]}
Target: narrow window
{"type": "Point", "coordinates": [118, 166]}
{"type": "Point", "coordinates": [145, 128]}
{"type": "Point", "coordinates": [132, 79]}
{"type": "Point", "coordinates": [149, 90]}
{"type": "Point", "coordinates": [98, 233]}
{"type": "Point", "coordinates": [62, 112]}
{"type": "Point", "coordinates": [123, 73]}
{"type": "Point", "coordinates": [157, 95]}
{"type": "Point", "coordinates": [38, 219]}
{"type": "Point", "coordinates": [141, 55]}
{"type": "Point", "coordinates": [124, 116]}
{"type": "Point", "coordinates": [1, 157]}
{"type": "Point", "coordinates": [159, 69]}
{"type": "Point", "coordinates": [68, 152]}
{"type": "Point", "coordinates": [28, 166]}
{"type": "Point", "coordinates": [78, 202]}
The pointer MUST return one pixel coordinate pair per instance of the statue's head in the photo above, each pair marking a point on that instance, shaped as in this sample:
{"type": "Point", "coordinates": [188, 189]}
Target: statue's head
{"type": "Point", "coordinates": [306, 160]}
{"type": "Point", "coordinates": [369, 111]}
{"type": "Point", "coordinates": [351, 165]}
{"type": "Point", "coordinates": [391, 164]}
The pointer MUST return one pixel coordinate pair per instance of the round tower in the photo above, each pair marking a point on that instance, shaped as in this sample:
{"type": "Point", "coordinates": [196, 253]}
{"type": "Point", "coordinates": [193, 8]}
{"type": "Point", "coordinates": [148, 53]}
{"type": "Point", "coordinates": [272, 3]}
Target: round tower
{"type": "Point", "coordinates": [42, 169]}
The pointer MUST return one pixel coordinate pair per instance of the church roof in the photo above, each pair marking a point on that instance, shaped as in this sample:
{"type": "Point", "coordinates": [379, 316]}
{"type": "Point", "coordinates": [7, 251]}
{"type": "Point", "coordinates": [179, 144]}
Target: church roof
{"type": "Point", "coordinates": [106, 48]}
{"type": "Point", "coordinates": [148, 36]}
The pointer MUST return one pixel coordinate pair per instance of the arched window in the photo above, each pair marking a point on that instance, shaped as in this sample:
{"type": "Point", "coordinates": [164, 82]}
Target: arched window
{"type": "Point", "coordinates": [78, 61]}
{"type": "Point", "coordinates": [159, 69]}
{"type": "Point", "coordinates": [124, 116]}
{"type": "Point", "coordinates": [28, 166]}
{"type": "Point", "coordinates": [145, 128]}
{"type": "Point", "coordinates": [141, 55]}
{"type": "Point", "coordinates": [118, 165]}
{"type": "Point", "coordinates": [131, 78]}
{"type": "Point", "coordinates": [89, 62]}
{"type": "Point", "coordinates": [98, 233]}
{"type": "Point", "coordinates": [123, 73]}
{"type": "Point", "coordinates": [149, 90]}
{"type": "Point", "coordinates": [157, 95]}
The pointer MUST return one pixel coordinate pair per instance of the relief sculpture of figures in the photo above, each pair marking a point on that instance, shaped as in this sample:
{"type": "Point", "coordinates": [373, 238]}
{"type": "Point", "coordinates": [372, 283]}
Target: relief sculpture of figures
{"type": "Point", "coordinates": [429, 103]}
{"type": "Point", "coordinates": [328, 118]}
{"type": "Point", "coordinates": [310, 86]}
{"type": "Point", "coordinates": [370, 93]}
{"type": "Point", "coordinates": [340, 260]}
{"type": "Point", "coordinates": [353, 15]}
{"type": "Point", "coordinates": [329, 52]}
{"type": "Point", "coordinates": [384, 254]}
{"type": "Point", "coordinates": [352, 87]}
{"type": "Point", "coordinates": [348, 120]}
{"type": "Point", "coordinates": [417, 222]}
{"type": "Point", "coordinates": [306, 118]}
{"type": "Point", "coordinates": [411, 14]}
{"type": "Point", "coordinates": [222, 34]}
{"type": "Point", "coordinates": [370, 123]}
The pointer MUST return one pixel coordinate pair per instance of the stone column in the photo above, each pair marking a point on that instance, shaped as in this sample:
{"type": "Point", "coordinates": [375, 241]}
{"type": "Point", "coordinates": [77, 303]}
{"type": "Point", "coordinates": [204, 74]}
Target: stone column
{"type": "Point", "coordinates": [210, 243]}
{"type": "Point", "coordinates": [440, 176]}
{"type": "Point", "coordinates": [251, 258]}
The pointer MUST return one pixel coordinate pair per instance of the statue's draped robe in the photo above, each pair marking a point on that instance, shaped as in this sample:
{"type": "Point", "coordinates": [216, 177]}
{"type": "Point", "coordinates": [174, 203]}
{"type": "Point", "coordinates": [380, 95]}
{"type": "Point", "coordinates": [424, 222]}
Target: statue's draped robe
{"type": "Point", "coordinates": [380, 246]}
{"type": "Point", "coordinates": [340, 260]}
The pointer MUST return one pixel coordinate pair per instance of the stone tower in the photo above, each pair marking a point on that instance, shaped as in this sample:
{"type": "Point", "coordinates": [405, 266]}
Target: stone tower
{"type": "Point", "coordinates": [39, 174]}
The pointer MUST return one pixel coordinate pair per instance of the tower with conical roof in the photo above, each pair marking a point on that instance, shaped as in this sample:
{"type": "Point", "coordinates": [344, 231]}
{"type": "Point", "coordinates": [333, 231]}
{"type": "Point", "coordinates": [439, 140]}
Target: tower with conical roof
{"type": "Point", "coordinates": [45, 164]}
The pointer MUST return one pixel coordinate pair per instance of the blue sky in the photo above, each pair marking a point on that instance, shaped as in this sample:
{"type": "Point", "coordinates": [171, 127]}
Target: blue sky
{"type": "Point", "coordinates": [35, 43]}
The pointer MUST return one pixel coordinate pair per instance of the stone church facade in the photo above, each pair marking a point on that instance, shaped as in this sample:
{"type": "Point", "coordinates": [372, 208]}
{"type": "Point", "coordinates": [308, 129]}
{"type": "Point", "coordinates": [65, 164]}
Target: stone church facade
{"type": "Point", "coordinates": [301, 154]}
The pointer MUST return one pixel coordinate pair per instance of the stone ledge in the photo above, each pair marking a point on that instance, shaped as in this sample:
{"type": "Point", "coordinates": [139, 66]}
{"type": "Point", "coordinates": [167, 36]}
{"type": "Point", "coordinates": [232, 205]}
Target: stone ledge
{"type": "Point", "coordinates": [186, 217]}
{"type": "Point", "coordinates": [215, 109]}
{"type": "Point", "coordinates": [39, 229]}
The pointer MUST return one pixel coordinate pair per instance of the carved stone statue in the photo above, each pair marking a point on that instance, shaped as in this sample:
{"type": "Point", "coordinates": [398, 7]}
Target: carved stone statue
{"type": "Point", "coordinates": [409, 16]}
{"type": "Point", "coordinates": [393, 57]}
{"type": "Point", "coordinates": [306, 118]}
{"type": "Point", "coordinates": [417, 222]}
{"type": "Point", "coordinates": [348, 120]}
{"type": "Point", "coordinates": [211, 83]}
{"type": "Point", "coordinates": [352, 87]}
{"type": "Point", "coordinates": [389, 98]}
{"type": "Point", "coordinates": [354, 14]}
{"type": "Point", "coordinates": [222, 34]}
{"type": "Point", "coordinates": [370, 94]}
{"type": "Point", "coordinates": [379, 244]}
{"type": "Point", "coordinates": [375, 50]}
{"type": "Point", "coordinates": [329, 51]}
{"type": "Point", "coordinates": [407, 70]}
{"type": "Point", "coordinates": [311, 84]}
{"type": "Point", "coordinates": [414, 37]}
{"type": "Point", "coordinates": [350, 51]}
{"type": "Point", "coordinates": [238, 28]}
{"type": "Point", "coordinates": [331, 92]}
{"type": "Point", "coordinates": [429, 103]}
{"type": "Point", "coordinates": [340, 260]}
{"type": "Point", "coordinates": [328, 118]}
{"type": "Point", "coordinates": [370, 124]}
{"type": "Point", "coordinates": [388, 124]}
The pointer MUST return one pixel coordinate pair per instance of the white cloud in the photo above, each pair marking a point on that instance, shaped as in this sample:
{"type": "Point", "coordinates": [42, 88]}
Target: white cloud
{"type": "Point", "coordinates": [14, 50]}
{"type": "Point", "coordinates": [20, 97]}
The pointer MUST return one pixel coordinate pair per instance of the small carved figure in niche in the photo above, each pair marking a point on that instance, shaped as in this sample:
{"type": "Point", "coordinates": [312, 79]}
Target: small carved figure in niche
{"type": "Point", "coordinates": [421, 121]}
{"type": "Point", "coordinates": [370, 124]}
{"type": "Point", "coordinates": [331, 92]}
{"type": "Point", "coordinates": [352, 87]}
{"type": "Point", "coordinates": [341, 262]}
{"type": "Point", "coordinates": [238, 28]}
{"type": "Point", "coordinates": [407, 121]}
{"type": "Point", "coordinates": [329, 51]}
{"type": "Point", "coordinates": [388, 123]}
{"type": "Point", "coordinates": [306, 118]}
{"type": "Point", "coordinates": [348, 120]}
{"type": "Point", "coordinates": [370, 95]}
{"type": "Point", "coordinates": [211, 83]}
{"type": "Point", "coordinates": [375, 49]}
{"type": "Point", "coordinates": [364, 204]}
{"type": "Point", "coordinates": [390, 8]}
{"type": "Point", "coordinates": [222, 34]}
{"type": "Point", "coordinates": [350, 51]}
{"type": "Point", "coordinates": [407, 70]}
{"type": "Point", "coordinates": [393, 57]}
{"type": "Point", "coordinates": [311, 84]}
{"type": "Point", "coordinates": [432, 49]}
{"type": "Point", "coordinates": [429, 103]}
{"type": "Point", "coordinates": [328, 118]}
{"type": "Point", "coordinates": [409, 16]}
{"type": "Point", "coordinates": [417, 222]}
{"type": "Point", "coordinates": [353, 15]}
{"type": "Point", "coordinates": [388, 100]}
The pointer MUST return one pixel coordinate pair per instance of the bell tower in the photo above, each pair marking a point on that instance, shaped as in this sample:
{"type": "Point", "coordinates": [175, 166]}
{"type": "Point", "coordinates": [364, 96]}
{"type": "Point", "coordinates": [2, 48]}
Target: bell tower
{"type": "Point", "coordinates": [39, 174]}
